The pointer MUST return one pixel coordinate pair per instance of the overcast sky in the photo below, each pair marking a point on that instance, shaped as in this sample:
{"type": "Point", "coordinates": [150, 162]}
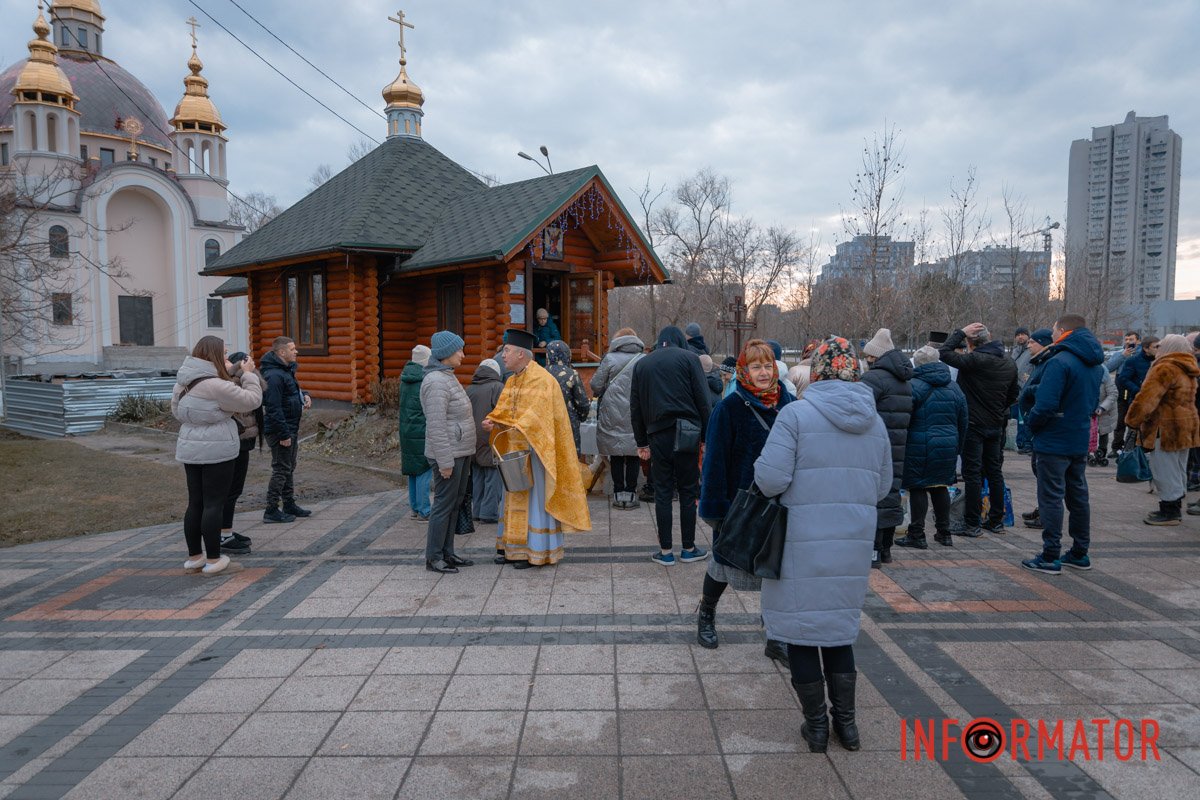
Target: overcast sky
{"type": "Point", "coordinates": [776, 95]}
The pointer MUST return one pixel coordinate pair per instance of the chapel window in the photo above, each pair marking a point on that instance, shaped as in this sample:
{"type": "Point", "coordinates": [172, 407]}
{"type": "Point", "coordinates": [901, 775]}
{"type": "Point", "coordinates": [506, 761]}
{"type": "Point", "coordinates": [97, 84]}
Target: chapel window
{"type": "Point", "coordinates": [305, 318]}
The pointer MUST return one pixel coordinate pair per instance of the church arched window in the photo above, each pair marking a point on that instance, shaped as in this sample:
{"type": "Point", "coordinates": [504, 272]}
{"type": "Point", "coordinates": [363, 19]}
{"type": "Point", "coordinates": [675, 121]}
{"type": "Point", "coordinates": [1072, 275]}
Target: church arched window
{"type": "Point", "coordinates": [212, 249]}
{"type": "Point", "coordinates": [60, 242]}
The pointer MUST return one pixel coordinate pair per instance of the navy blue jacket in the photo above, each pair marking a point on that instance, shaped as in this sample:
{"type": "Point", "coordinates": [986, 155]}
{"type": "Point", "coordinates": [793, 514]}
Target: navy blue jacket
{"type": "Point", "coordinates": [735, 440]}
{"type": "Point", "coordinates": [283, 402]}
{"type": "Point", "coordinates": [937, 430]}
{"type": "Point", "coordinates": [1029, 391]}
{"type": "Point", "coordinates": [1133, 372]}
{"type": "Point", "coordinates": [1067, 393]}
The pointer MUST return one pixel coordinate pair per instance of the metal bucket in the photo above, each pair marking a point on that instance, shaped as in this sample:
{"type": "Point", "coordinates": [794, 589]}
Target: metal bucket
{"type": "Point", "coordinates": [514, 467]}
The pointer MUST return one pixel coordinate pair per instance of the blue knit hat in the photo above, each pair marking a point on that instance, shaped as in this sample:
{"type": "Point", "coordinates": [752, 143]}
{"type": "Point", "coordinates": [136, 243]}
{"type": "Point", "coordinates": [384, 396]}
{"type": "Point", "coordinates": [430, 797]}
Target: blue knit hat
{"type": "Point", "coordinates": [445, 344]}
{"type": "Point", "coordinates": [1043, 336]}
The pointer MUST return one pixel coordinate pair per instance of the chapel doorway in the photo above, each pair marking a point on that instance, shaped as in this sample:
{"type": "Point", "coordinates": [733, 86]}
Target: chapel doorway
{"type": "Point", "coordinates": [573, 304]}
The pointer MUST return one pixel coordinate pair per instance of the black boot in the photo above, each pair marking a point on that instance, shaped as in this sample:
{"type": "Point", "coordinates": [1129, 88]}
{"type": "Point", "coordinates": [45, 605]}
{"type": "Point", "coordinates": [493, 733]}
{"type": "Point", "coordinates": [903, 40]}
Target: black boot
{"type": "Point", "coordinates": [1169, 513]}
{"type": "Point", "coordinates": [841, 701]}
{"type": "Point", "coordinates": [815, 729]}
{"type": "Point", "coordinates": [915, 538]}
{"type": "Point", "coordinates": [885, 555]}
{"type": "Point", "coordinates": [706, 622]}
{"type": "Point", "coordinates": [776, 650]}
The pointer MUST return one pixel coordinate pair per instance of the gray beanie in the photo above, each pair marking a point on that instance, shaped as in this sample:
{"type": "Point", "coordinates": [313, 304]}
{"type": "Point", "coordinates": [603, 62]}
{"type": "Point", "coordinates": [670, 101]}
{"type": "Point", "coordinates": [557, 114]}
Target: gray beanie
{"type": "Point", "coordinates": [445, 344]}
{"type": "Point", "coordinates": [692, 330]}
{"type": "Point", "coordinates": [880, 344]}
{"type": "Point", "coordinates": [926, 355]}
{"type": "Point", "coordinates": [421, 354]}
{"type": "Point", "coordinates": [493, 365]}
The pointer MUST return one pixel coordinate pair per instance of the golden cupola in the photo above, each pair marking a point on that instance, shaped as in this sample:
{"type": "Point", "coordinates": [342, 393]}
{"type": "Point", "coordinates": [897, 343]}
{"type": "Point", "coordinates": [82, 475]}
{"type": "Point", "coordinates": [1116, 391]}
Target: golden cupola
{"type": "Point", "coordinates": [402, 92]}
{"type": "Point", "coordinates": [41, 79]}
{"type": "Point", "coordinates": [196, 111]}
{"type": "Point", "coordinates": [87, 6]}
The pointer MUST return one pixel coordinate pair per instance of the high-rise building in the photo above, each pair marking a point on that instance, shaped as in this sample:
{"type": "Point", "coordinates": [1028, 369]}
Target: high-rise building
{"type": "Point", "coordinates": [1123, 215]}
{"type": "Point", "coordinates": [853, 259]}
{"type": "Point", "coordinates": [996, 268]}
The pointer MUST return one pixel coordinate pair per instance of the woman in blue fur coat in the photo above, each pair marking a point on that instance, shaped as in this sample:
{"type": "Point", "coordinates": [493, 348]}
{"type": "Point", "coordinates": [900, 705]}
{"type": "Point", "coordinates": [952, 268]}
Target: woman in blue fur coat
{"type": "Point", "coordinates": [737, 430]}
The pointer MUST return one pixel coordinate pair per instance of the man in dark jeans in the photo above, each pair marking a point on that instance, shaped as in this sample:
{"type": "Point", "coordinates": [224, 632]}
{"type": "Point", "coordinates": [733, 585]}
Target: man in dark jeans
{"type": "Point", "coordinates": [988, 377]}
{"type": "Point", "coordinates": [668, 387]}
{"type": "Point", "coordinates": [283, 404]}
{"type": "Point", "coordinates": [1068, 387]}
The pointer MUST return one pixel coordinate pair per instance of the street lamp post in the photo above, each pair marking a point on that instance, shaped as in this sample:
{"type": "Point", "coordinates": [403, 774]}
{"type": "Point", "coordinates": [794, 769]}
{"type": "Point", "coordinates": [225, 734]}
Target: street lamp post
{"type": "Point", "coordinates": [547, 167]}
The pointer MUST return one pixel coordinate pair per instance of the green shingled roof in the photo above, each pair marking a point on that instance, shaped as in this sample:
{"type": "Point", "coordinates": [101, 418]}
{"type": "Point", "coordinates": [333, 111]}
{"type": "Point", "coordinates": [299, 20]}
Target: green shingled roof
{"type": "Point", "coordinates": [234, 287]}
{"type": "Point", "coordinates": [389, 198]}
{"type": "Point", "coordinates": [482, 225]}
{"type": "Point", "coordinates": [407, 196]}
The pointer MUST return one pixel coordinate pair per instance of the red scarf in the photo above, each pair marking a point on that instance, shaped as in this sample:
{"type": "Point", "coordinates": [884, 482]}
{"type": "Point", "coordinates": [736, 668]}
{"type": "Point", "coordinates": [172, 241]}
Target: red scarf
{"type": "Point", "coordinates": [769, 396]}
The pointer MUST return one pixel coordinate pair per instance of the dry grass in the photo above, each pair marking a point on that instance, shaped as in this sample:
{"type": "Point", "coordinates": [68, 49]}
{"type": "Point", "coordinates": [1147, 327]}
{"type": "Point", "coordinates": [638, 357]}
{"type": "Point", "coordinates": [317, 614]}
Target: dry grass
{"type": "Point", "coordinates": [56, 488]}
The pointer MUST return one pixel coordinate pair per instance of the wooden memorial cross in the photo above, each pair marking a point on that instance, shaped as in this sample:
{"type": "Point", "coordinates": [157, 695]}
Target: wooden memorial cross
{"type": "Point", "coordinates": [737, 324]}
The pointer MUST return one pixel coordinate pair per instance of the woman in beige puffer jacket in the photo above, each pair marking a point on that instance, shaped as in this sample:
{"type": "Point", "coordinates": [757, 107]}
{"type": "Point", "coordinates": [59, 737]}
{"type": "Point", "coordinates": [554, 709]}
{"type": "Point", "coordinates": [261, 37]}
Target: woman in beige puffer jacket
{"type": "Point", "coordinates": [204, 401]}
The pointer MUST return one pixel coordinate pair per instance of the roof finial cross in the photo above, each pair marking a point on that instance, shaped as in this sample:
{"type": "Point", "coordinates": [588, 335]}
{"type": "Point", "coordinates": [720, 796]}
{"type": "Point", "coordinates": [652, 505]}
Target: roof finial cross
{"type": "Point", "coordinates": [399, 20]}
{"type": "Point", "coordinates": [193, 24]}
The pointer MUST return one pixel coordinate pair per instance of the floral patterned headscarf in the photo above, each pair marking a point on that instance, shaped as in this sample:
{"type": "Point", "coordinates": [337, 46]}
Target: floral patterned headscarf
{"type": "Point", "coordinates": [835, 360]}
{"type": "Point", "coordinates": [768, 396]}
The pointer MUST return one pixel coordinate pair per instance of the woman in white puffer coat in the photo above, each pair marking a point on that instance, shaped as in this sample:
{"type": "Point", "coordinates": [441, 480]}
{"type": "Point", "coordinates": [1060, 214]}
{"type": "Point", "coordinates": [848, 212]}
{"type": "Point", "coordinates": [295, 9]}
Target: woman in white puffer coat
{"type": "Point", "coordinates": [204, 401]}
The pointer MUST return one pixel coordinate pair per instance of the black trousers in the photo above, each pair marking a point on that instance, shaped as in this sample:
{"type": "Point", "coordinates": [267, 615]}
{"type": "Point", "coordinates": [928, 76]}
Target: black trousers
{"type": "Point", "coordinates": [208, 486]}
{"type": "Point", "coordinates": [448, 496]}
{"type": "Point", "coordinates": [918, 503]}
{"type": "Point", "coordinates": [625, 472]}
{"type": "Point", "coordinates": [670, 471]}
{"type": "Point", "coordinates": [885, 537]}
{"type": "Point", "coordinates": [983, 457]}
{"type": "Point", "coordinates": [805, 661]}
{"type": "Point", "coordinates": [240, 465]}
{"type": "Point", "coordinates": [1118, 440]}
{"type": "Point", "coordinates": [283, 465]}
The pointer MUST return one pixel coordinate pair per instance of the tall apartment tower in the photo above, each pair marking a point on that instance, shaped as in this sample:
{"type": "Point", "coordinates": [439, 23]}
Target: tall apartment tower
{"type": "Point", "coordinates": [1123, 214]}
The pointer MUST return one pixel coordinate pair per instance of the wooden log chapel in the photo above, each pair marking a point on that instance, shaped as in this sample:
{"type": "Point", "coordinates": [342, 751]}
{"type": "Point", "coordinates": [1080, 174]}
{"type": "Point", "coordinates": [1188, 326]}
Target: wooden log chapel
{"type": "Point", "coordinates": [404, 242]}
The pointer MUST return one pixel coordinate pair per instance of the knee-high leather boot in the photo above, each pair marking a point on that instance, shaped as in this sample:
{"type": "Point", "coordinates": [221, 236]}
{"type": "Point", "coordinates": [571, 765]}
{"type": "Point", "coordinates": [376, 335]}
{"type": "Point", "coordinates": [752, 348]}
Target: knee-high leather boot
{"type": "Point", "coordinates": [815, 729]}
{"type": "Point", "coordinates": [841, 701]}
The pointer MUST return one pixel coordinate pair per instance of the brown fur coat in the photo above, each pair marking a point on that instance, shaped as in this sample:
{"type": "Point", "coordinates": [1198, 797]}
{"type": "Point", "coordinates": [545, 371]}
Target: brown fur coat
{"type": "Point", "coordinates": [1165, 408]}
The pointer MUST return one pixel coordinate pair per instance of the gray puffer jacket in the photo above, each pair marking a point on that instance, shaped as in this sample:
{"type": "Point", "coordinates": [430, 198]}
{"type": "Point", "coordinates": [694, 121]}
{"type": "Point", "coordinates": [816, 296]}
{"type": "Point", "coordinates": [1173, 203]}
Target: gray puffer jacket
{"type": "Point", "coordinates": [449, 424]}
{"type": "Point", "coordinates": [208, 434]}
{"type": "Point", "coordinates": [1108, 404]}
{"type": "Point", "coordinates": [614, 431]}
{"type": "Point", "coordinates": [829, 460]}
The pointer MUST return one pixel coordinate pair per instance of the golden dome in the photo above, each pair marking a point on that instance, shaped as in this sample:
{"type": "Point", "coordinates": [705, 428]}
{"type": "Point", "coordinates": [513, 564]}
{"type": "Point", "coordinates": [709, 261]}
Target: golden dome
{"type": "Point", "coordinates": [196, 110]}
{"type": "Point", "coordinates": [90, 6]}
{"type": "Point", "coordinates": [403, 92]}
{"type": "Point", "coordinates": [42, 73]}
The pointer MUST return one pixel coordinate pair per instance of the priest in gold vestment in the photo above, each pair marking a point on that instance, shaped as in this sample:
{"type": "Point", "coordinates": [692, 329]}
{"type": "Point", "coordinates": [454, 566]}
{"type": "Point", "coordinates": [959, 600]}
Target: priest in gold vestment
{"type": "Point", "coordinates": [534, 521]}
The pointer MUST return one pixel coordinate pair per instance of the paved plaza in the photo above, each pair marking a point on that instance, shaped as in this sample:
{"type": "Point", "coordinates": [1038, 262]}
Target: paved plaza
{"type": "Point", "coordinates": [336, 666]}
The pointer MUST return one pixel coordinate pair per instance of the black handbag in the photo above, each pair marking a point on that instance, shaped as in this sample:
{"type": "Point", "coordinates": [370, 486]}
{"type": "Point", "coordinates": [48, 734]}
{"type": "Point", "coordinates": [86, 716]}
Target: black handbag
{"type": "Point", "coordinates": [687, 436]}
{"type": "Point", "coordinates": [753, 534]}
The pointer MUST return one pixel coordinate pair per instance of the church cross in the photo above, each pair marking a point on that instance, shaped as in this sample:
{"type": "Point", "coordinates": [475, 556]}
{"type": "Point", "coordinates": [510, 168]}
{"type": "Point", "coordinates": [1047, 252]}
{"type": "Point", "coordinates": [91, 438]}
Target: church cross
{"type": "Point", "coordinates": [191, 22]}
{"type": "Point", "coordinates": [399, 20]}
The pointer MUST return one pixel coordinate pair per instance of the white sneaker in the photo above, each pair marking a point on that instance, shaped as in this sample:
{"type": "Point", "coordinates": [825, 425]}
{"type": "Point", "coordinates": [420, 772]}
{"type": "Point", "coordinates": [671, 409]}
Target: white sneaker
{"type": "Point", "coordinates": [193, 566]}
{"type": "Point", "coordinates": [221, 566]}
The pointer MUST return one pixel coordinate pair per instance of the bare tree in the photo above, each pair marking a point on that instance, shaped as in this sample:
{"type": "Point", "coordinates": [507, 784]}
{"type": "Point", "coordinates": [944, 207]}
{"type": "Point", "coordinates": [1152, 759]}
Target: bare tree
{"type": "Point", "coordinates": [253, 210]}
{"type": "Point", "coordinates": [964, 223]}
{"type": "Point", "coordinates": [689, 228]}
{"type": "Point", "coordinates": [320, 175]}
{"type": "Point", "coordinates": [875, 213]}
{"type": "Point", "coordinates": [751, 262]}
{"type": "Point", "coordinates": [43, 277]}
{"type": "Point", "coordinates": [804, 296]}
{"type": "Point", "coordinates": [647, 199]}
{"type": "Point", "coordinates": [359, 149]}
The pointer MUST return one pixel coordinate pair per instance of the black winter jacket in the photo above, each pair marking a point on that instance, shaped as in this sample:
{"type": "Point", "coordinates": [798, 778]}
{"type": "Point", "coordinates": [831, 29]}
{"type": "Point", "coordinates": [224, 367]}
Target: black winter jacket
{"type": "Point", "coordinates": [889, 379]}
{"type": "Point", "coordinates": [283, 401]}
{"type": "Point", "coordinates": [668, 385]}
{"type": "Point", "coordinates": [987, 376]}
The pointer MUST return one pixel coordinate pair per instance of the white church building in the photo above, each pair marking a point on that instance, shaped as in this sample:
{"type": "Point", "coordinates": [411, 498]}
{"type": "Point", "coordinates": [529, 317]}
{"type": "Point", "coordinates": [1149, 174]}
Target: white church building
{"type": "Point", "coordinates": [124, 207]}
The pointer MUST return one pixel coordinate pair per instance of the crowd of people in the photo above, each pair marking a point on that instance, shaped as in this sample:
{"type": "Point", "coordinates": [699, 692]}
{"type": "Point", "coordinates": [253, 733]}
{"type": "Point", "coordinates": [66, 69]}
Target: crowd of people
{"type": "Point", "coordinates": [849, 445]}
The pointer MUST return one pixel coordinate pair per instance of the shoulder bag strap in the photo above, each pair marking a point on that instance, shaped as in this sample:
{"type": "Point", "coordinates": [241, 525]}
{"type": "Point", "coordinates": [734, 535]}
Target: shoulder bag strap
{"type": "Point", "coordinates": [757, 416]}
{"type": "Point", "coordinates": [192, 385]}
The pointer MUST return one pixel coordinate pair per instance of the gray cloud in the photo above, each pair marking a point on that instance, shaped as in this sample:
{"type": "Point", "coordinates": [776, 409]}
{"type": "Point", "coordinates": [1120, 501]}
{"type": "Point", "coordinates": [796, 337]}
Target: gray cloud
{"type": "Point", "coordinates": [777, 95]}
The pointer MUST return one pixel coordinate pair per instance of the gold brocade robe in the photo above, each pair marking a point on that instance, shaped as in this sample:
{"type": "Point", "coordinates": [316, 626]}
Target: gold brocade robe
{"type": "Point", "coordinates": [532, 403]}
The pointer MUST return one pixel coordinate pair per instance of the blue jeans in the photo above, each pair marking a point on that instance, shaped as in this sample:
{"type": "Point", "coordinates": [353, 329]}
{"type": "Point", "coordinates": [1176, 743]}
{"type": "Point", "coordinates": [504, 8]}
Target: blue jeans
{"type": "Point", "coordinates": [418, 492]}
{"type": "Point", "coordinates": [1059, 478]}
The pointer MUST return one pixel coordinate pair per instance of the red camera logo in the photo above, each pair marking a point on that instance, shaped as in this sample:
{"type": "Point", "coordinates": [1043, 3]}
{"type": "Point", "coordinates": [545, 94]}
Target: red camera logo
{"type": "Point", "coordinates": [984, 740]}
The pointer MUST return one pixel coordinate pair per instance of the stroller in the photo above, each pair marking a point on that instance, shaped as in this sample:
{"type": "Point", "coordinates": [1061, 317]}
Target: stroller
{"type": "Point", "coordinates": [1096, 455]}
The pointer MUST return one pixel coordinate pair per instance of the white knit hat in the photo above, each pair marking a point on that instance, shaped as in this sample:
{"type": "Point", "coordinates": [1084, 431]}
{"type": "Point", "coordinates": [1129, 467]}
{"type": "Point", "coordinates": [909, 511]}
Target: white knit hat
{"type": "Point", "coordinates": [882, 343]}
{"type": "Point", "coordinates": [926, 355]}
{"type": "Point", "coordinates": [420, 354]}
